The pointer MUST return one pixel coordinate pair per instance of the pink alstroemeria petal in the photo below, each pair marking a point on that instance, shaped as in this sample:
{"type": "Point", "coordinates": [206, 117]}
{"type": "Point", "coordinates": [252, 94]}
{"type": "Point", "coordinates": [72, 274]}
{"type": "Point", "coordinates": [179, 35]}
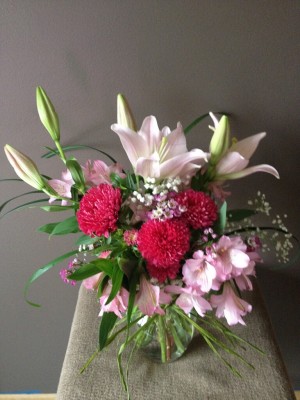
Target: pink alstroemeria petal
{"type": "Point", "coordinates": [148, 298]}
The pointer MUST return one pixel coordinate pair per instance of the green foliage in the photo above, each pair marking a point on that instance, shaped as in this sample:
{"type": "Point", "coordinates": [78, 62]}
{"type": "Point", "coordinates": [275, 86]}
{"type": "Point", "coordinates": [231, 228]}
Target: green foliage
{"type": "Point", "coordinates": [53, 152]}
{"type": "Point", "coordinates": [221, 222]}
{"type": "Point", "coordinates": [239, 214]}
{"type": "Point", "coordinates": [69, 225]}
{"type": "Point", "coordinates": [107, 323]}
{"type": "Point", "coordinates": [77, 174]}
{"type": "Point", "coordinates": [38, 273]}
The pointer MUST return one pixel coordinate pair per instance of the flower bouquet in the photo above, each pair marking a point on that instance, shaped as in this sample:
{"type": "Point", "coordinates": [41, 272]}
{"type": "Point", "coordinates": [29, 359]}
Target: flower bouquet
{"type": "Point", "coordinates": [164, 253]}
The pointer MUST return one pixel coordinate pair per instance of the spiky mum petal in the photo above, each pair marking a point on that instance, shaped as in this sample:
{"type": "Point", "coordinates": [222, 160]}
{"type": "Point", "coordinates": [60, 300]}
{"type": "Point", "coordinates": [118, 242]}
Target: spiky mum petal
{"type": "Point", "coordinates": [98, 210]}
{"type": "Point", "coordinates": [163, 244]}
{"type": "Point", "coordinates": [201, 210]}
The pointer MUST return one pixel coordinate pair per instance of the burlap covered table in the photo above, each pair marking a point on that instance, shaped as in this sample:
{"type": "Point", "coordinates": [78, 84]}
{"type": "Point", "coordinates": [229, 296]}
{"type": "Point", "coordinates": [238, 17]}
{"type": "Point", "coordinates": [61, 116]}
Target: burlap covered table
{"type": "Point", "coordinates": [198, 375]}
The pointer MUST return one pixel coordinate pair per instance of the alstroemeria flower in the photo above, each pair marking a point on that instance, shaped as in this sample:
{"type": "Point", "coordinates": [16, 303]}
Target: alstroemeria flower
{"type": "Point", "coordinates": [96, 172]}
{"type": "Point", "coordinates": [229, 256]}
{"type": "Point", "coordinates": [230, 306]}
{"type": "Point", "coordinates": [149, 297]}
{"type": "Point", "coordinates": [190, 298]}
{"type": "Point", "coordinates": [118, 305]}
{"type": "Point", "coordinates": [159, 154]}
{"type": "Point", "coordinates": [199, 272]}
{"type": "Point", "coordinates": [62, 188]}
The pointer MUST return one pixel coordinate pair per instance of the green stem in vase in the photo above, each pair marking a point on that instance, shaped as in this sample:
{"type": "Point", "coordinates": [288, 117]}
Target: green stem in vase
{"type": "Point", "coordinates": [162, 338]}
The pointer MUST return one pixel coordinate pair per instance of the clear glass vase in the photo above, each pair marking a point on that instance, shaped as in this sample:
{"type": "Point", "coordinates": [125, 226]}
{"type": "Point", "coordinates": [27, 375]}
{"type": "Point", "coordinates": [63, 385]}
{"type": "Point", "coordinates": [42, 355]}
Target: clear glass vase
{"type": "Point", "coordinates": [166, 338]}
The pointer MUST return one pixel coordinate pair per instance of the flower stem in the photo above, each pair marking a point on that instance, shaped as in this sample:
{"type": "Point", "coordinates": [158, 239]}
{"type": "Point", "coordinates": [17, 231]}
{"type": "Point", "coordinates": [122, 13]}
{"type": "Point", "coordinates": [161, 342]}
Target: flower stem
{"type": "Point", "coordinates": [162, 338]}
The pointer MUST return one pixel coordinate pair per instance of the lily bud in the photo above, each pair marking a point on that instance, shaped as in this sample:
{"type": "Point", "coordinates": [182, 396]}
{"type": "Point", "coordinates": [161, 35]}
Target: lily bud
{"type": "Point", "coordinates": [47, 113]}
{"type": "Point", "coordinates": [219, 143]}
{"type": "Point", "coordinates": [24, 167]}
{"type": "Point", "coordinates": [124, 114]}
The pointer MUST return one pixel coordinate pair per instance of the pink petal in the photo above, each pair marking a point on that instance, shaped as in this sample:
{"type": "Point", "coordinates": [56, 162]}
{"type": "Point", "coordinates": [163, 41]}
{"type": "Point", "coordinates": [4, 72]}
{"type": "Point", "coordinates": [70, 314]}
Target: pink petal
{"type": "Point", "coordinates": [247, 146]}
{"type": "Point", "coordinates": [132, 143]}
{"type": "Point", "coordinates": [251, 170]}
{"type": "Point", "coordinates": [231, 162]}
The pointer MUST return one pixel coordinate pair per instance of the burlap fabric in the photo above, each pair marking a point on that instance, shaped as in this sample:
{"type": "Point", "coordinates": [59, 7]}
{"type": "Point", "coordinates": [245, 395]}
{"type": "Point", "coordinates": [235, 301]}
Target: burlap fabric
{"type": "Point", "coordinates": [198, 375]}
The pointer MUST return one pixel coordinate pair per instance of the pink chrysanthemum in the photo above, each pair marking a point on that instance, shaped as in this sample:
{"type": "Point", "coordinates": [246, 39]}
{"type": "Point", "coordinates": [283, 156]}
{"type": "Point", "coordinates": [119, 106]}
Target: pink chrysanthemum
{"type": "Point", "coordinates": [98, 210]}
{"type": "Point", "coordinates": [163, 244]}
{"type": "Point", "coordinates": [201, 210]}
{"type": "Point", "coordinates": [130, 237]}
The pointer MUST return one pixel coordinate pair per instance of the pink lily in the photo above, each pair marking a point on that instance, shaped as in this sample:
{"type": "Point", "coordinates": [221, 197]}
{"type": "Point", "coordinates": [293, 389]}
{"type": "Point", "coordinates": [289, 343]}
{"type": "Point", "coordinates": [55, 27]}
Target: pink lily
{"type": "Point", "coordinates": [233, 164]}
{"type": "Point", "coordinates": [159, 154]}
{"type": "Point", "coordinates": [230, 306]}
{"type": "Point", "coordinates": [149, 298]}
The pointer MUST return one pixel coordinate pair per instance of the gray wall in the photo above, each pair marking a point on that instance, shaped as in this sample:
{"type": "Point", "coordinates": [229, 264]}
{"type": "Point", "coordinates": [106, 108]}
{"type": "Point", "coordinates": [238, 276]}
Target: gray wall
{"type": "Point", "coordinates": [174, 59]}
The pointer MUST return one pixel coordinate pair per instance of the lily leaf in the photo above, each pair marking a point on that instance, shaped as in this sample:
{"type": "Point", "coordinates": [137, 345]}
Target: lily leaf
{"type": "Point", "coordinates": [25, 205]}
{"type": "Point", "coordinates": [38, 273]}
{"type": "Point", "coordinates": [53, 152]}
{"type": "Point", "coordinates": [57, 208]}
{"type": "Point", "coordinates": [16, 197]}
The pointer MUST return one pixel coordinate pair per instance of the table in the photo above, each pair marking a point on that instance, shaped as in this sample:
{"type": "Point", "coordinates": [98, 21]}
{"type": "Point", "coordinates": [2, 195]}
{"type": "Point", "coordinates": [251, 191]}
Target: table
{"type": "Point", "coordinates": [198, 375]}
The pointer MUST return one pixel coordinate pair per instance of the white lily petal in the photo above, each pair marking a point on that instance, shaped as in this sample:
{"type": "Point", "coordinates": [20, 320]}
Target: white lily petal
{"type": "Point", "coordinates": [231, 162]}
{"type": "Point", "coordinates": [176, 142]}
{"type": "Point", "coordinates": [251, 170]}
{"type": "Point", "coordinates": [176, 165]}
{"type": "Point", "coordinates": [148, 167]}
{"type": "Point", "coordinates": [215, 120]}
{"type": "Point", "coordinates": [150, 133]}
{"type": "Point", "coordinates": [133, 144]}
{"type": "Point", "coordinates": [247, 147]}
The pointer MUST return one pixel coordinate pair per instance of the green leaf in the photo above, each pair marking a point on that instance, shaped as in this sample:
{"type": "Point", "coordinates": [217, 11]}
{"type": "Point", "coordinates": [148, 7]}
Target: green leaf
{"type": "Point", "coordinates": [25, 205]}
{"type": "Point", "coordinates": [199, 119]}
{"type": "Point", "coordinates": [117, 278]}
{"type": "Point", "coordinates": [57, 208]}
{"type": "Point", "coordinates": [93, 268]}
{"type": "Point", "coordinates": [69, 225]}
{"type": "Point", "coordinates": [83, 272]}
{"type": "Point", "coordinates": [11, 179]}
{"type": "Point", "coordinates": [77, 174]}
{"type": "Point", "coordinates": [86, 240]}
{"type": "Point", "coordinates": [107, 323]}
{"type": "Point", "coordinates": [16, 197]}
{"type": "Point", "coordinates": [132, 292]}
{"type": "Point", "coordinates": [38, 273]}
{"type": "Point", "coordinates": [53, 152]}
{"type": "Point", "coordinates": [221, 223]}
{"type": "Point", "coordinates": [239, 214]}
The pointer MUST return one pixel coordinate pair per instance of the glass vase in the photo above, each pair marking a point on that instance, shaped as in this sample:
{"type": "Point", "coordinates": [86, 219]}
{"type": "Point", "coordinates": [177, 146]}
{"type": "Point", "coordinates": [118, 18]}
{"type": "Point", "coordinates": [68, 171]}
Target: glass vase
{"type": "Point", "coordinates": [166, 338]}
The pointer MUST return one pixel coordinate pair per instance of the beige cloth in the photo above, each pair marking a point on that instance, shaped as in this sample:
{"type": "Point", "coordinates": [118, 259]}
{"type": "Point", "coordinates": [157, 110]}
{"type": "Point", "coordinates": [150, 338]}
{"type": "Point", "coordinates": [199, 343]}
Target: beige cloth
{"type": "Point", "coordinates": [198, 375]}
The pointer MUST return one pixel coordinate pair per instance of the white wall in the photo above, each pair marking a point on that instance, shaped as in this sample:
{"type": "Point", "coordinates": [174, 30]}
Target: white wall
{"type": "Point", "coordinates": [174, 59]}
